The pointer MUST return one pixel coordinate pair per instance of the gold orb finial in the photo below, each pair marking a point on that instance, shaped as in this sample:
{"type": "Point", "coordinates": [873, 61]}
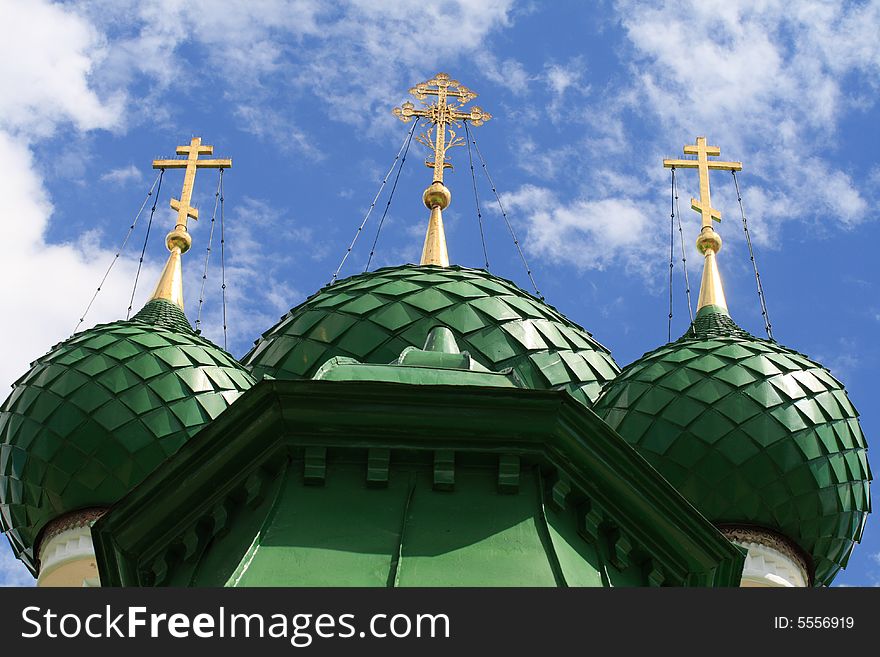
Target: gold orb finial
{"type": "Point", "coordinates": [437, 196]}
{"type": "Point", "coordinates": [178, 238]}
{"type": "Point", "coordinates": [708, 240]}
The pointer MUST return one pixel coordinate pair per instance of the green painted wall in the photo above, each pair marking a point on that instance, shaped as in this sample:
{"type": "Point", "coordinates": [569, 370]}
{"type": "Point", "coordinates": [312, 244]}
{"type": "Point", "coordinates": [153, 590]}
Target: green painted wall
{"type": "Point", "coordinates": [345, 533]}
{"type": "Point", "coordinates": [319, 483]}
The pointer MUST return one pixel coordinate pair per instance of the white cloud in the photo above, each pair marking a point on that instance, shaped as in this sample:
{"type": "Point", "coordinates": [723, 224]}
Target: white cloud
{"type": "Point", "coordinates": [279, 130]}
{"type": "Point", "coordinates": [123, 175]}
{"type": "Point", "coordinates": [763, 79]}
{"type": "Point", "coordinates": [12, 571]}
{"type": "Point", "coordinates": [563, 80]}
{"type": "Point", "coordinates": [584, 233]}
{"type": "Point", "coordinates": [508, 73]}
{"type": "Point", "coordinates": [245, 43]}
{"type": "Point", "coordinates": [545, 164]}
{"type": "Point", "coordinates": [48, 284]}
{"type": "Point", "coordinates": [843, 360]}
{"type": "Point", "coordinates": [47, 55]}
{"type": "Point", "coordinates": [382, 38]}
{"type": "Point", "coordinates": [560, 78]}
{"type": "Point", "coordinates": [146, 36]}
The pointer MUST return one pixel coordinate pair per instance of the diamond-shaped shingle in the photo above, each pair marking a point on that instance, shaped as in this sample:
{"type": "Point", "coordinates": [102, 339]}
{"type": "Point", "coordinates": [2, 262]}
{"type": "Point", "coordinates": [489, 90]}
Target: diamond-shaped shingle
{"type": "Point", "coordinates": [100, 411]}
{"type": "Point", "coordinates": [752, 433]}
{"type": "Point", "coordinates": [497, 323]}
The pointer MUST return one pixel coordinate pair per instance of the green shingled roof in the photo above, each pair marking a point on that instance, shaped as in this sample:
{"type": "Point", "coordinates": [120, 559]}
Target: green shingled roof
{"type": "Point", "coordinates": [374, 316]}
{"type": "Point", "coordinates": [100, 411]}
{"type": "Point", "coordinates": [750, 433]}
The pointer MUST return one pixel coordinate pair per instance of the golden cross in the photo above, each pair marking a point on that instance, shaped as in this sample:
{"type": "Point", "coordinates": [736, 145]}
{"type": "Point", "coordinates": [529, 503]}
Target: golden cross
{"type": "Point", "coordinates": [441, 114]}
{"type": "Point", "coordinates": [703, 164]}
{"type": "Point", "coordinates": [191, 163]}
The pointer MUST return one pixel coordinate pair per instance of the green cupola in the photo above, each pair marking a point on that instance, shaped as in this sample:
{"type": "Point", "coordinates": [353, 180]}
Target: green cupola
{"type": "Point", "coordinates": [101, 410]}
{"type": "Point", "coordinates": [763, 441]}
{"type": "Point", "coordinates": [372, 317]}
{"type": "Point", "coordinates": [419, 425]}
{"type": "Point", "coordinates": [753, 434]}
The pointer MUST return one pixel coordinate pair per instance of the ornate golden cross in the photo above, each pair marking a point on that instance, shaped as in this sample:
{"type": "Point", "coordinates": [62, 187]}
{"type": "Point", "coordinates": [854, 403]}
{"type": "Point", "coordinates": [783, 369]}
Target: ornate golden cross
{"type": "Point", "coordinates": [703, 164]}
{"type": "Point", "coordinates": [441, 114]}
{"type": "Point", "coordinates": [191, 163]}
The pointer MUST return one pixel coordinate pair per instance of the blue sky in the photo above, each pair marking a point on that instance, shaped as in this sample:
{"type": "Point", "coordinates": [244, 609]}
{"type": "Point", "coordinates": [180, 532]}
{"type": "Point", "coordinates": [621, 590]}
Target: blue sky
{"type": "Point", "coordinates": [587, 99]}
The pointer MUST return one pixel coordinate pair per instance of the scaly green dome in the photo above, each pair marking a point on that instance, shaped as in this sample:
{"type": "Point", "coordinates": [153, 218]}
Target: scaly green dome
{"type": "Point", "coordinates": [372, 317]}
{"type": "Point", "coordinates": [98, 413]}
{"type": "Point", "coordinates": [751, 433]}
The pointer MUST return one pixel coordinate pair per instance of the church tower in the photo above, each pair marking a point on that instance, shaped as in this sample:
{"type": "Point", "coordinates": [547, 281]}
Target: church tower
{"type": "Point", "coordinates": [419, 425]}
{"type": "Point", "coordinates": [759, 438]}
{"type": "Point", "coordinates": [98, 413]}
{"type": "Point", "coordinates": [429, 424]}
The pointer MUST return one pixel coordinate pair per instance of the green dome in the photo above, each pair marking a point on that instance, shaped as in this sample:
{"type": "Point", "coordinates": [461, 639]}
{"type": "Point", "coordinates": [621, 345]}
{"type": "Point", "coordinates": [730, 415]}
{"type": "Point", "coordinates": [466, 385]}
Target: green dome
{"type": "Point", "coordinates": [751, 433]}
{"type": "Point", "coordinates": [98, 413]}
{"type": "Point", "coordinates": [372, 317]}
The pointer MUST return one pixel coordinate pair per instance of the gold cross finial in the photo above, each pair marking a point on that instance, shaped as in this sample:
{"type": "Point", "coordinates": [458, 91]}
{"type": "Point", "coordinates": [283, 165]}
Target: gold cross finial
{"type": "Point", "coordinates": [441, 114]}
{"type": "Point", "coordinates": [447, 111]}
{"type": "Point", "coordinates": [178, 241]}
{"type": "Point", "coordinates": [708, 242]}
{"type": "Point", "coordinates": [703, 164]}
{"type": "Point", "coordinates": [191, 163]}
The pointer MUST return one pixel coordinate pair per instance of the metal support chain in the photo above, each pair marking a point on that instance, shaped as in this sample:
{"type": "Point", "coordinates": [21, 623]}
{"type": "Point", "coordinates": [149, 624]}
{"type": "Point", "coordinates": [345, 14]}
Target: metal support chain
{"type": "Point", "coordinates": [390, 196]}
{"type": "Point", "coordinates": [671, 253]}
{"type": "Point", "coordinates": [687, 282]}
{"type": "Point", "coordinates": [476, 196]}
{"type": "Point", "coordinates": [764, 314]}
{"type": "Point", "coordinates": [208, 254]}
{"type": "Point", "coordinates": [507, 221]}
{"type": "Point", "coordinates": [118, 252]}
{"type": "Point", "coordinates": [223, 260]}
{"type": "Point", "coordinates": [144, 248]}
{"type": "Point", "coordinates": [373, 204]}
